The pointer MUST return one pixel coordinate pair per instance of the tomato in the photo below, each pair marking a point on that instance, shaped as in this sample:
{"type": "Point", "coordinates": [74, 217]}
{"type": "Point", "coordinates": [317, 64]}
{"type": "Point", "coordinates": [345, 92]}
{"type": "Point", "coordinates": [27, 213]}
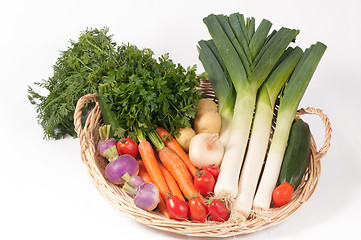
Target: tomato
{"type": "Point", "coordinates": [204, 182]}
{"type": "Point", "coordinates": [127, 146]}
{"type": "Point", "coordinates": [197, 210]}
{"type": "Point", "coordinates": [282, 194]}
{"type": "Point", "coordinates": [213, 169]}
{"type": "Point", "coordinates": [177, 208]}
{"type": "Point", "coordinates": [217, 211]}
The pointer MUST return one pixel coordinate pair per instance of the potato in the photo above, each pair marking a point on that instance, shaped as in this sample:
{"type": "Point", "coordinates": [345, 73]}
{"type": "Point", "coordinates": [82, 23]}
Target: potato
{"type": "Point", "coordinates": [207, 122]}
{"type": "Point", "coordinates": [205, 104]}
{"type": "Point", "coordinates": [184, 137]}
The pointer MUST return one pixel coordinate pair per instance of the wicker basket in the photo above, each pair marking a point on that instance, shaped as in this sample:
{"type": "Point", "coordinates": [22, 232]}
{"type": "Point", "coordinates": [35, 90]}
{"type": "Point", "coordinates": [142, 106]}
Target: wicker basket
{"type": "Point", "coordinates": [95, 164]}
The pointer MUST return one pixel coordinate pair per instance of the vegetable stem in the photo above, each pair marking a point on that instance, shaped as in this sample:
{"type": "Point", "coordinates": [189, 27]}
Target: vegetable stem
{"type": "Point", "coordinates": [112, 153]}
{"type": "Point", "coordinates": [273, 163]}
{"type": "Point", "coordinates": [156, 140]}
{"type": "Point", "coordinates": [140, 134]}
{"type": "Point", "coordinates": [226, 186]}
{"type": "Point", "coordinates": [129, 189]}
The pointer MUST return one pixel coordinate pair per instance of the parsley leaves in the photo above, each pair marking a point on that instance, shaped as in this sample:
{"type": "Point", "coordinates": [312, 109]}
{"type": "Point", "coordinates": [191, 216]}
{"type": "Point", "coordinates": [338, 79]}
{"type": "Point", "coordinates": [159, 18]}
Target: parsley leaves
{"type": "Point", "coordinates": [151, 93]}
{"type": "Point", "coordinates": [137, 89]}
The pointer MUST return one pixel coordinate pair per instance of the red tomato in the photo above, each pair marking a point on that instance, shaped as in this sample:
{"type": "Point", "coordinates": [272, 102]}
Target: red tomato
{"type": "Point", "coordinates": [213, 169]}
{"type": "Point", "coordinates": [204, 182]}
{"type": "Point", "coordinates": [127, 146]}
{"type": "Point", "coordinates": [217, 211]}
{"type": "Point", "coordinates": [177, 208]}
{"type": "Point", "coordinates": [197, 210]}
{"type": "Point", "coordinates": [282, 194]}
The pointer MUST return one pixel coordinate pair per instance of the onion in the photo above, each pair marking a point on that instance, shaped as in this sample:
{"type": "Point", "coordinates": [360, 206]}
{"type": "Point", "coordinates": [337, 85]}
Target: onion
{"type": "Point", "coordinates": [206, 149]}
{"type": "Point", "coordinates": [147, 197]}
{"type": "Point", "coordinates": [115, 170]}
{"type": "Point", "coordinates": [107, 147]}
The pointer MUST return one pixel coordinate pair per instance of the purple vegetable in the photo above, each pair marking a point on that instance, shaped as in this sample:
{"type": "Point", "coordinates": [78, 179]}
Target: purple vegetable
{"type": "Point", "coordinates": [134, 181]}
{"type": "Point", "coordinates": [115, 170]}
{"type": "Point", "coordinates": [147, 197]}
{"type": "Point", "coordinates": [131, 184]}
{"type": "Point", "coordinates": [107, 147]}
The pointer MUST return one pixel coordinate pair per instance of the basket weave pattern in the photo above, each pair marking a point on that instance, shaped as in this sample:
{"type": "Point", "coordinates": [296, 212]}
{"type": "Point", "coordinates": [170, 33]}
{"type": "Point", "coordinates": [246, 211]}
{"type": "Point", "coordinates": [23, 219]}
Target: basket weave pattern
{"type": "Point", "coordinates": [95, 164]}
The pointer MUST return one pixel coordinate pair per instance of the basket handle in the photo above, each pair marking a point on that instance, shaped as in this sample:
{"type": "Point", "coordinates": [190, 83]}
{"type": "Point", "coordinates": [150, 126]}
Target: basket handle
{"type": "Point", "coordinates": [78, 111]}
{"type": "Point", "coordinates": [328, 130]}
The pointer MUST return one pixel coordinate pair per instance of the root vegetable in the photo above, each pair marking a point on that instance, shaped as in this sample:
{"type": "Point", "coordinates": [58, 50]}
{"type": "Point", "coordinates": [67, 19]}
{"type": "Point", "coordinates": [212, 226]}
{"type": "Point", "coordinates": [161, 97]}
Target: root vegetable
{"type": "Point", "coordinates": [207, 122]}
{"type": "Point", "coordinates": [184, 137]}
{"type": "Point", "coordinates": [131, 182]}
{"type": "Point", "coordinates": [147, 197]}
{"type": "Point", "coordinates": [206, 149]}
{"type": "Point", "coordinates": [177, 148]}
{"type": "Point", "coordinates": [115, 170]}
{"type": "Point", "coordinates": [107, 146]}
{"type": "Point", "coordinates": [151, 165]}
{"type": "Point", "coordinates": [205, 104]}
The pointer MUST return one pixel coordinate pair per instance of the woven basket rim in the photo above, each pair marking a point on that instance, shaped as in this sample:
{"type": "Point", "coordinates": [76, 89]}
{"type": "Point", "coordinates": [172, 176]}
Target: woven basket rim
{"type": "Point", "coordinates": [122, 202]}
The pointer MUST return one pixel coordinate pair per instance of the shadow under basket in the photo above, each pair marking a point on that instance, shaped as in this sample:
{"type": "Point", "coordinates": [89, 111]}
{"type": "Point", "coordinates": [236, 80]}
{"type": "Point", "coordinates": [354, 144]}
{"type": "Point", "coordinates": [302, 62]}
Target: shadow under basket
{"type": "Point", "coordinates": [95, 164]}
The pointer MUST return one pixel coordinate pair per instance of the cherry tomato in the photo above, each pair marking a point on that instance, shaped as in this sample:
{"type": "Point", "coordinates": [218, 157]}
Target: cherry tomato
{"type": "Point", "coordinates": [213, 169]}
{"type": "Point", "coordinates": [197, 210]}
{"type": "Point", "coordinates": [282, 194]}
{"type": "Point", "coordinates": [204, 182]}
{"type": "Point", "coordinates": [177, 208]}
{"type": "Point", "coordinates": [127, 146]}
{"type": "Point", "coordinates": [217, 211]}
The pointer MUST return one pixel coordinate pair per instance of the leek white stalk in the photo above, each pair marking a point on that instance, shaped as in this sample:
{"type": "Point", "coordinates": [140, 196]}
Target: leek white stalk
{"type": "Point", "coordinates": [260, 134]}
{"type": "Point", "coordinates": [274, 160]}
{"type": "Point", "coordinates": [246, 81]}
{"type": "Point", "coordinates": [226, 186]}
{"type": "Point", "coordinates": [289, 101]}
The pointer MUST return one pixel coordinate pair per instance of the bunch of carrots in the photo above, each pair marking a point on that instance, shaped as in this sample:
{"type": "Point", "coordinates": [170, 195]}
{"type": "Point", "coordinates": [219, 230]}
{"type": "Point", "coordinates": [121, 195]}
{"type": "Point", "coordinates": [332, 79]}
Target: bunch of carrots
{"type": "Point", "coordinates": [170, 169]}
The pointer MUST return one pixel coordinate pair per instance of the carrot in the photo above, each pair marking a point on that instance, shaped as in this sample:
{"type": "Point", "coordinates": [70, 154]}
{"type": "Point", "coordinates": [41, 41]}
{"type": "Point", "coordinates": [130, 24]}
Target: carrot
{"type": "Point", "coordinates": [184, 166]}
{"type": "Point", "coordinates": [143, 173]}
{"type": "Point", "coordinates": [173, 163]}
{"type": "Point", "coordinates": [174, 145]}
{"type": "Point", "coordinates": [163, 208]}
{"type": "Point", "coordinates": [146, 178]}
{"type": "Point", "coordinates": [151, 164]}
{"type": "Point", "coordinates": [171, 182]}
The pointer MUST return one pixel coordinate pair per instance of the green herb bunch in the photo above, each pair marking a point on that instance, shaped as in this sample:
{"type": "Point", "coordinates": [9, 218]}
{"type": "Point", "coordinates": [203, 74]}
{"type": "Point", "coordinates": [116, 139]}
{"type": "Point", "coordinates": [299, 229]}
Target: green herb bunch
{"type": "Point", "coordinates": [138, 88]}
{"type": "Point", "coordinates": [150, 93]}
{"type": "Point", "coordinates": [78, 71]}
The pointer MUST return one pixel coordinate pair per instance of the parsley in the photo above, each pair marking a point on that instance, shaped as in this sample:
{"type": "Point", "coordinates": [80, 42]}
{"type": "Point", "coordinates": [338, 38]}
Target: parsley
{"type": "Point", "coordinates": [139, 90]}
{"type": "Point", "coordinates": [151, 93]}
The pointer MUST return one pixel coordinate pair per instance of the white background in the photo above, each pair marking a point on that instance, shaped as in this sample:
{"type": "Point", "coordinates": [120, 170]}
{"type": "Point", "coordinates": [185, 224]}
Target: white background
{"type": "Point", "coordinates": [45, 191]}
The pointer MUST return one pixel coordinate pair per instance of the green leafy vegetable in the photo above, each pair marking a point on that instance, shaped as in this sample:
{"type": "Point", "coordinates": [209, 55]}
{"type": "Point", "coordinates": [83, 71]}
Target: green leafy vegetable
{"type": "Point", "coordinates": [77, 72]}
{"type": "Point", "coordinates": [133, 87]}
{"type": "Point", "coordinates": [151, 93]}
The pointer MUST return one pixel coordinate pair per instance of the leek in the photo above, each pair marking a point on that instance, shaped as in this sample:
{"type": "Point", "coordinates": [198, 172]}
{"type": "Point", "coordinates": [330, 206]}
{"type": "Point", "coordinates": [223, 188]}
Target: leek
{"type": "Point", "coordinates": [246, 81]}
{"type": "Point", "coordinates": [289, 102]}
{"type": "Point", "coordinates": [260, 133]}
{"type": "Point", "coordinates": [221, 84]}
